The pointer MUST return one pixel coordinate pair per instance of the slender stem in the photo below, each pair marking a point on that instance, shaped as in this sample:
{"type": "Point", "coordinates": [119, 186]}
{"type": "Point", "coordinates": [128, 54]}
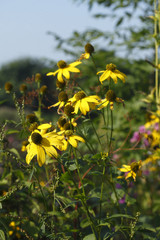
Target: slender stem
{"type": "Point", "coordinates": [156, 52]}
{"type": "Point", "coordinates": [44, 200]}
{"type": "Point", "coordinates": [78, 170]}
{"type": "Point", "coordinates": [96, 133]}
{"type": "Point", "coordinates": [102, 186]}
{"type": "Point", "coordinates": [83, 201]}
{"type": "Point", "coordinates": [111, 131]}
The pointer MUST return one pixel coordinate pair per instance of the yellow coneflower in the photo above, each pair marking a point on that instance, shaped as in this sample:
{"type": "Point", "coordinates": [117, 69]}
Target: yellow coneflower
{"type": "Point", "coordinates": [64, 69]}
{"type": "Point", "coordinates": [132, 170]}
{"type": "Point", "coordinates": [84, 103]}
{"type": "Point", "coordinates": [111, 72]}
{"type": "Point", "coordinates": [42, 143]}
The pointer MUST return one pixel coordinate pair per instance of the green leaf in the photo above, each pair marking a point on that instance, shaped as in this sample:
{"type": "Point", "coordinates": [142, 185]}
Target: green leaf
{"type": "Point", "coordinates": [72, 167]}
{"type": "Point", "coordinates": [2, 235]}
{"type": "Point", "coordinates": [89, 237]}
{"type": "Point", "coordinates": [11, 131]}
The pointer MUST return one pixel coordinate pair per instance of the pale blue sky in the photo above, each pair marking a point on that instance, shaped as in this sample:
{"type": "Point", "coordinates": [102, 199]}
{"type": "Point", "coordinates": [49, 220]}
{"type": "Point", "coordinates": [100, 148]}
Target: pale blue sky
{"type": "Point", "coordinates": [24, 25]}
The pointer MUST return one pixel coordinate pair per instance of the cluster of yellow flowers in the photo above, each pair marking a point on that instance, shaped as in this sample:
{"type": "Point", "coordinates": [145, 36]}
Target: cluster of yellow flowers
{"type": "Point", "coordinates": [44, 140]}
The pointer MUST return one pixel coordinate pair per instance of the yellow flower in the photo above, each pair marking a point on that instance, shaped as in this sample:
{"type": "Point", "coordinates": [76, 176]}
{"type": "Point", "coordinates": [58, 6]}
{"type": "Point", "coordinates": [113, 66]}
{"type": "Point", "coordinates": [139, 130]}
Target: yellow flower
{"type": "Point", "coordinates": [62, 100]}
{"type": "Point", "coordinates": [132, 170]}
{"type": "Point", "coordinates": [153, 158]}
{"type": "Point", "coordinates": [83, 102]}
{"type": "Point", "coordinates": [71, 138]}
{"type": "Point", "coordinates": [24, 146]}
{"type": "Point", "coordinates": [42, 143]}
{"type": "Point", "coordinates": [62, 122]}
{"type": "Point", "coordinates": [111, 72]}
{"type": "Point", "coordinates": [64, 70]}
{"type": "Point", "coordinates": [153, 119]}
{"type": "Point", "coordinates": [110, 98]}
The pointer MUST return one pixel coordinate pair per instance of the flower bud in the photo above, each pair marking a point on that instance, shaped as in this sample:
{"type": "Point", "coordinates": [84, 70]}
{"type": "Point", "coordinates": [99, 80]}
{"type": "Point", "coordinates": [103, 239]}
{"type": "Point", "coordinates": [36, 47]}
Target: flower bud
{"type": "Point", "coordinates": [8, 87]}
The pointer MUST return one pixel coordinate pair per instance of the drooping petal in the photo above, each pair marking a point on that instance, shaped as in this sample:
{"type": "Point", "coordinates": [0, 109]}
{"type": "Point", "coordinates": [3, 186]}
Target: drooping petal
{"type": "Point", "coordinates": [79, 138]}
{"type": "Point", "coordinates": [40, 155]}
{"type": "Point", "coordinates": [32, 151]}
{"type": "Point", "coordinates": [51, 152]}
{"type": "Point", "coordinates": [66, 73]}
{"type": "Point", "coordinates": [76, 107]}
{"type": "Point", "coordinates": [72, 141]}
{"type": "Point", "coordinates": [105, 76]}
{"type": "Point", "coordinates": [82, 109]}
{"type": "Point", "coordinates": [59, 76]}
{"type": "Point", "coordinates": [114, 77]}
{"type": "Point", "coordinates": [85, 105]}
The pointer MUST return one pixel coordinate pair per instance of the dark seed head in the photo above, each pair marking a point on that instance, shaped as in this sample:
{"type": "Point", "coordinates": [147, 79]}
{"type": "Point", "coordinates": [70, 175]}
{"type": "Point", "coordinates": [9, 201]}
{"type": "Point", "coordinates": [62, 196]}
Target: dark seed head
{"type": "Point", "coordinates": [61, 64]}
{"type": "Point", "coordinates": [111, 96]}
{"type": "Point", "coordinates": [36, 138]}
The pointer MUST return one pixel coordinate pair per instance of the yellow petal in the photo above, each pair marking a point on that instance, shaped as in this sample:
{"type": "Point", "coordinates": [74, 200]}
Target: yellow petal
{"type": "Point", "coordinates": [59, 76]}
{"type": "Point", "coordinates": [85, 105]}
{"type": "Point", "coordinates": [40, 155]}
{"type": "Point", "coordinates": [44, 126]}
{"type": "Point", "coordinates": [114, 77]}
{"type": "Point", "coordinates": [31, 152]}
{"type": "Point", "coordinates": [66, 73]}
{"type": "Point", "coordinates": [82, 109]}
{"type": "Point", "coordinates": [76, 107]}
{"type": "Point", "coordinates": [74, 64]}
{"type": "Point", "coordinates": [72, 141]}
{"type": "Point", "coordinates": [79, 138]}
{"type": "Point", "coordinates": [51, 151]}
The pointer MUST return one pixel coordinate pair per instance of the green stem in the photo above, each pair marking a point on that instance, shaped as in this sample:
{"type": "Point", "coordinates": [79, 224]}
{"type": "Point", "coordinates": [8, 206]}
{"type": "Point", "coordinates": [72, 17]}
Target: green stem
{"type": "Point", "coordinates": [102, 186]}
{"type": "Point", "coordinates": [84, 204]}
{"type": "Point", "coordinates": [156, 53]}
{"type": "Point", "coordinates": [96, 133]}
{"type": "Point", "coordinates": [44, 200]}
{"type": "Point", "coordinates": [111, 131]}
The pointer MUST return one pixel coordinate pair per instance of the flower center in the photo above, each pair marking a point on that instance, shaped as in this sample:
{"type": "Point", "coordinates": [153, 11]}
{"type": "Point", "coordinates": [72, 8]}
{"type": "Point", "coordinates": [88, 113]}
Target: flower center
{"type": "Point", "coordinates": [68, 126]}
{"type": "Point", "coordinates": [134, 167]}
{"type": "Point", "coordinates": [89, 48]}
{"type": "Point", "coordinates": [80, 95]}
{"type": "Point", "coordinates": [111, 96]}
{"type": "Point", "coordinates": [111, 67]}
{"type": "Point", "coordinates": [68, 133]}
{"type": "Point", "coordinates": [36, 138]}
{"type": "Point", "coordinates": [62, 97]}
{"type": "Point", "coordinates": [61, 64]}
{"type": "Point", "coordinates": [62, 121]}
{"type": "Point", "coordinates": [69, 110]}
{"type": "Point", "coordinates": [60, 85]}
